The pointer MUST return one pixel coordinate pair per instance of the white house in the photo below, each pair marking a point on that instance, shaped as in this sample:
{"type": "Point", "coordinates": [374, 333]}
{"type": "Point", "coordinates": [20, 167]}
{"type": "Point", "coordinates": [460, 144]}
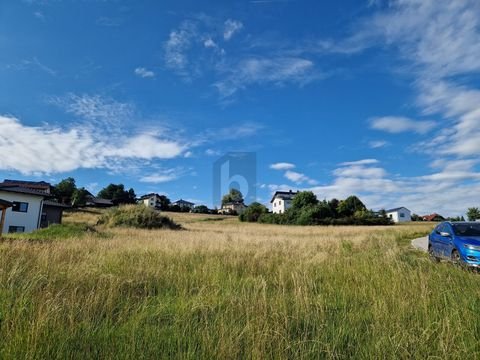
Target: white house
{"type": "Point", "coordinates": [151, 200]}
{"type": "Point", "coordinates": [282, 201]}
{"type": "Point", "coordinates": [232, 208]}
{"type": "Point", "coordinates": [25, 213]}
{"type": "Point", "coordinates": [399, 215]}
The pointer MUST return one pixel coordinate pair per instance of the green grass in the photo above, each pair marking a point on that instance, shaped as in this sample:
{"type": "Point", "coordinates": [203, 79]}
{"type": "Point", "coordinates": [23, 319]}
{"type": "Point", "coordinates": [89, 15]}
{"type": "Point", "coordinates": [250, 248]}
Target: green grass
{"type": "Point", "coordinates": [369, 299]}
{"type": "Point", "coordinates": [55, 232]}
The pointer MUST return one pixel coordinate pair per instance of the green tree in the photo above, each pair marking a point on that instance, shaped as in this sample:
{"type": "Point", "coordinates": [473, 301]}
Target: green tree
{"type": "Point", "coordinates": [233, 196]}
{"type": "Point", "coordinates": [64, 190]}
{"type": "Point", "coordinates": [118, 194]}
{"type": "Point", "coordinates": [304, 199]}
{"type": "Point", "coordinates": [253, 212]}
{"type": "Point", "coordinates": [201, 209]}
{"type": "Point", "coordinates": [79, 197]}
{"type": "Point", "coordinates": [473, 213]}
{"type": "Point", "coordinates": [350, 205]}
{"type": "Point", "coordinates": [333, 204]}
{"type": "Point", "coordinates": [164, 202]}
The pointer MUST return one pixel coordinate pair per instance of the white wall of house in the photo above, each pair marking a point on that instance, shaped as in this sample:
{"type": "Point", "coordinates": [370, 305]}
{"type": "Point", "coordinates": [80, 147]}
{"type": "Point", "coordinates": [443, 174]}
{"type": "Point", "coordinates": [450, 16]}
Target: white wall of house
{"type": "Point", "coordinates": [400, 215]}
{"type": "Point", "coordinates": [279, 206]}
{"type": "Point", "coordinates": [29, 220]}
{"type": "Point", "coordinates": [150, 202]}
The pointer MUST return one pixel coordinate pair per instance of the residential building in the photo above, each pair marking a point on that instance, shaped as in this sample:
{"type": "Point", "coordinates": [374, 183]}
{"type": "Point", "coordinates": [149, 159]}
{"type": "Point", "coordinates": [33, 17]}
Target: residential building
{"type": "Point", "coordinates": [282, 201]}
{"type": "Point", "coordinates": [24, 215]}
{"type": "Point", "coordinates": [183, 204]}
{"type": "Point", "coordinates": [151, 200]}
{"type": "Point", "coordinates": [399, 215]}
{"type": "Point", "coordinates": [433, 217]}
{"type": "Point", "coordinates": [232, 208]}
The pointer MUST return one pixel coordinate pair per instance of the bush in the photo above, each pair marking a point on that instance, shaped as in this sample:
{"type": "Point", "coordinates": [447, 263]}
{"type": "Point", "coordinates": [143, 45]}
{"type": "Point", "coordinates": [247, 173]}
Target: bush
{"type": "Point", "coordinates": [137, 216]}
{"type": "Point", "coordinates": [253, 212]}
{"type": "Point", "coordinates": [55, 232]}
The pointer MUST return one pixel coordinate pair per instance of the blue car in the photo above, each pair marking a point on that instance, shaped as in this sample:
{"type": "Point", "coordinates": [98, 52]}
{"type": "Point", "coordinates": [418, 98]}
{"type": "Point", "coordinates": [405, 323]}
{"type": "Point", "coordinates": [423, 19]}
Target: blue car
{"type": "Point", "coordinates": [456, 241]}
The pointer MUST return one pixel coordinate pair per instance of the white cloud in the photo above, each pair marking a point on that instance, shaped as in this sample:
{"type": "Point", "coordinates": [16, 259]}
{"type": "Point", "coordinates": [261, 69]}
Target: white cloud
{"type": "Point", "coordinates": [282, 166]}
{"type": "Point", "coordinates": [376, 144]}
{"type": "Point", "coordinates": [299, 178]}
{"type": "Point", "coordinates": [144, 73]}
{"type": "Point", "coordinates": [399, 124]}
{"type": "Point", "coordinates": [47, 149]}
{"type": "Point", "coordinates": [443, 191]}
{"type": "Point", "coordinates": [231, 27]}
{"type": "Point", "coordinates": [176, 47]}
{"type": "Point", "coordinates": [39, 15]}
{"type": "Point", "coordinates": [360, 162]}
{"type": "Point", "coordinates": [276, 71]}
{"type": "Point", "coordinates": [161, 177]}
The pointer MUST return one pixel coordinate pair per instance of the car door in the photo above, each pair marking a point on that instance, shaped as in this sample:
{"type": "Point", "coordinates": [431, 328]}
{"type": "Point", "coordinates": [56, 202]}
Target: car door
{"type": "Point", "coordinates": [447, 240]}
{"type": "Point", "coordinates": [435, 239]}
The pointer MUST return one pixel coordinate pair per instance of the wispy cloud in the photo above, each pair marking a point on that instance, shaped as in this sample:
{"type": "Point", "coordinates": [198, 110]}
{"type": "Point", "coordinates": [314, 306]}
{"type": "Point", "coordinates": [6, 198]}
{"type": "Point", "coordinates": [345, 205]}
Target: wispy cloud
{"type": "Point", "coordinates": [162, 176]}
{"type": "Point", "coordinates": [276, 71]}
{"type": "Point", "coordinates": [282, 166]}
{"type": "Point", "coordinates": [399, 124]}
{"type": "Point", "coordinates": [109, 21]}
{"type": "Point", "coordinates": [231, 27]}
{"type": "Point", "coordinates": [144, 73]}
{"type": "Point", "coordinates": [299, 178]}
{"type": "Point", "coordinates": [377, 144]}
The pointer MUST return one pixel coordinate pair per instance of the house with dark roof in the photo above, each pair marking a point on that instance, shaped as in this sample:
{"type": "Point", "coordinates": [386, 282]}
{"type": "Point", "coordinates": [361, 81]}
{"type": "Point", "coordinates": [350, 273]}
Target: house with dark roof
{"type": "Point", "coordinates": [282, 201]}
{"type": "Point", "coordinates": [399, 214]}
{"type": "Point", "coordinates": [24, 215]}
{"type": "Point", "coordinates": [184, 204]}
{"type": "Point", "coordinates": [433, 217]}
{"type": "Point", "coordinates": [31, 207]}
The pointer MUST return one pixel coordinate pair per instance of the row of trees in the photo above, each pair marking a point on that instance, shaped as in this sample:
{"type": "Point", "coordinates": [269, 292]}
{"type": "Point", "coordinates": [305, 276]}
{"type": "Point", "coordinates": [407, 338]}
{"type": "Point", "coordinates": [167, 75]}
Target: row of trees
{"type": "Point", "coordinates": [308, 210]}
{"type": "Point", "coordinates": [67, 192]}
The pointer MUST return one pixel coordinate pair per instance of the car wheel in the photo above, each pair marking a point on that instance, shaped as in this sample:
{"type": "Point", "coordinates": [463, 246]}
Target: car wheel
{"type": "Point", "coordinates": [456, 259]}
{"type": "Point", "coordinates": [432, 255]}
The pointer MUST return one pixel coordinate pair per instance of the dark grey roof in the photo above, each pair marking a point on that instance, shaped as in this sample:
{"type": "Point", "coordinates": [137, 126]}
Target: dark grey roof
{"type": "Point", "coordinates": [396, 209]}
{"type": "Point", "coordinates": [284, 195]}
{"type": "Point", "coordinates": [181, 201]}
{"type": "Point", "coordinates": [96, 200]}
{"type": "Point", "coordinates": [22, 190]}
{"type": "Point", "coordinates": [55, 204]}
{"type": "Point", "coordinates": [147, 196]}
{"type": "Point", "coordinates": [5, 203]}
{"type": "Point", "coordinates": [34, 185]}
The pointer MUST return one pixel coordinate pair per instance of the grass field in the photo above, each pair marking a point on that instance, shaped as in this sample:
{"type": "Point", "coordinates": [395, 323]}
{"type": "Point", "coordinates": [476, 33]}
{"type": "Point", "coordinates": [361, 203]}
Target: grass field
{"type": "Point", "coordinates": [221, 289]}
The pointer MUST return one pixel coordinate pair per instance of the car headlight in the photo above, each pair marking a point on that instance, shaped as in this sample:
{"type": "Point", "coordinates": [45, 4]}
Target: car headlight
{"type": "Point", "coordinates": [472, 247]}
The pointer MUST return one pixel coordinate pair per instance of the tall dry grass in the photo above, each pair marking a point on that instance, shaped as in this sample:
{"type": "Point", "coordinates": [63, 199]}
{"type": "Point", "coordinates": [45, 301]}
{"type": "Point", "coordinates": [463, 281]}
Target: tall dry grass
{"type": "Point", "coordinates": [223, 289]}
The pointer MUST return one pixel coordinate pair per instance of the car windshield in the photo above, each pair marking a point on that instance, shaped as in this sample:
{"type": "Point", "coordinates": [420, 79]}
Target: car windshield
{"type": "Point", "coordinates": [467, 229]}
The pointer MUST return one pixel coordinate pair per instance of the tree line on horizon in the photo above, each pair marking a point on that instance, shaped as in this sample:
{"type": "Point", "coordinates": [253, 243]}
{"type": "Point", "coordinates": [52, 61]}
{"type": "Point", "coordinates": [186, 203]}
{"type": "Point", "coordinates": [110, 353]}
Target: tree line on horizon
{"type": "Point", "coordinates": [308, 210]}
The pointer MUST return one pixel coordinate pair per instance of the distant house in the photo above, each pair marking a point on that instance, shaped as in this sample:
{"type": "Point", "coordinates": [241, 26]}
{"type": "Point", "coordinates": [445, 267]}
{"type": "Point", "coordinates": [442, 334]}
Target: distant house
{"type": "Point", "coordinates": [433, 217]}
{"type": "Point", "coordinates": [399, 215]}
{"type": "Point", "coordinates": [94, 201]}
{"type": "Point", "coordinates": [183, 204]}
{"type": "Point", "coordinates": [282, 201]}
{"type": "Point", "coordinates": [24, 214]}
{"type": "Point", "coordinates": [151, 200]}
{"type": "Point", "coordinates": [232, 208]}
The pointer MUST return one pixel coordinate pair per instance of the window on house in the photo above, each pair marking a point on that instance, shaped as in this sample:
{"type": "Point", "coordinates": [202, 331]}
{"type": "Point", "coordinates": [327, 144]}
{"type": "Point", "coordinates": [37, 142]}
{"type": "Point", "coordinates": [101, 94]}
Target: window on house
{"type": "Point", "coordinates": [19, 206]}
{"type": "Point", "coordinates": [402, 215]}
{"type": "Point", "coordinates": [44, 216]}
{"type": "Point", "coordinates": [16, 229]}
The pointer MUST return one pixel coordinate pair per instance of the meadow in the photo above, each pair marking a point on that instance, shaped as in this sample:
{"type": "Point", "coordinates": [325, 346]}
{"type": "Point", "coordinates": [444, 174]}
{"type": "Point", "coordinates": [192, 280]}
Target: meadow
{"type": "Point", "coordinates": [221, 289]}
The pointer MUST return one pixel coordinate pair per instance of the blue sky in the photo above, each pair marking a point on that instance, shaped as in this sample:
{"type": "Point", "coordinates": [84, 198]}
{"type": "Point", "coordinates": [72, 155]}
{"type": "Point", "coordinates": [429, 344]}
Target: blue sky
{"type": "Point", "coordinates": [375, 98]}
